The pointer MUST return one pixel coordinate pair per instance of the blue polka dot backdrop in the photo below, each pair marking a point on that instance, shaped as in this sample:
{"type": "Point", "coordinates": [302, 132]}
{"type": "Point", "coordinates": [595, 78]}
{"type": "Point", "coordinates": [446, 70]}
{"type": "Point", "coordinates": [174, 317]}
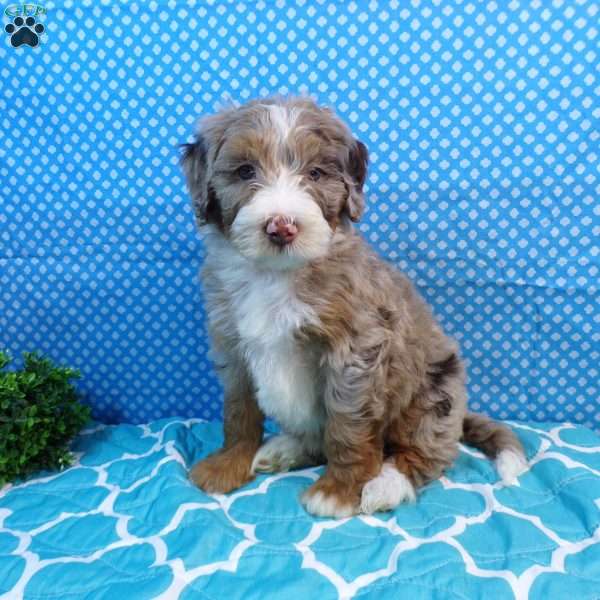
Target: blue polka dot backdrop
{"type": "Point", "coordinates": [482, 123]}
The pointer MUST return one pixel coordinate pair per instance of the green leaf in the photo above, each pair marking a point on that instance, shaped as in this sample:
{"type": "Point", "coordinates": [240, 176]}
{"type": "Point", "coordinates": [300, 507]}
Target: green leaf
{"type": "Point", "coordinates": [40, 413]}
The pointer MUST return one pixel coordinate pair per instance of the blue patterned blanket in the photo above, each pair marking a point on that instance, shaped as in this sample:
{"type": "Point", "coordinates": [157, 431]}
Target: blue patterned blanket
{"type": "Point", "coordinates": [125, 522]}
{"type": "Point", "coordinates": [481, 120]}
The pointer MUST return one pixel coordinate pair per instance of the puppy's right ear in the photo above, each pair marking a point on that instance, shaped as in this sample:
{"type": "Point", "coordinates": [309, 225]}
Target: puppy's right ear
{"type": "Point", "coordinates": [194, 163]}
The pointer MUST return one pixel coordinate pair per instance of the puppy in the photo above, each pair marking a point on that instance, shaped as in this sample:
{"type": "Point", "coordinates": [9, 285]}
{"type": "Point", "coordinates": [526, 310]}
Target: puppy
{"type": "Point", "coordinates": [311, 328]}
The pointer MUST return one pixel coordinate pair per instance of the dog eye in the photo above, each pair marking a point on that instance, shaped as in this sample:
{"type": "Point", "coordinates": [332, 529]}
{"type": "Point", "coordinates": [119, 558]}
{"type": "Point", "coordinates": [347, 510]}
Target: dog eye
{"type": "Point", "coordinates": [246, 172]}
{"type": "Point", "coordinates": [315, 174]}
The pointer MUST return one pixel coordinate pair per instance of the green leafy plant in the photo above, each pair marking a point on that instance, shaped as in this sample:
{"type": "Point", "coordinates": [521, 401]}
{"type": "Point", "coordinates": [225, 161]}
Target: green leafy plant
{"type": "Point", "coordinates": [40, 413]}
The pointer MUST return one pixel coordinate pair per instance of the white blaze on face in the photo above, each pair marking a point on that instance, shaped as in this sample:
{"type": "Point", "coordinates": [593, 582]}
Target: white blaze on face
{"type": "Point", "coordinates": [284, 197]}
{"type": "Point", "coordinates": [281, 119]}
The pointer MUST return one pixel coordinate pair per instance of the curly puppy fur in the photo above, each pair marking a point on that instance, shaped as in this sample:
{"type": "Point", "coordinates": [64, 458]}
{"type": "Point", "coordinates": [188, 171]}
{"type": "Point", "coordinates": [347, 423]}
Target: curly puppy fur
{"type": "Point", "coordinates": [310, 327]}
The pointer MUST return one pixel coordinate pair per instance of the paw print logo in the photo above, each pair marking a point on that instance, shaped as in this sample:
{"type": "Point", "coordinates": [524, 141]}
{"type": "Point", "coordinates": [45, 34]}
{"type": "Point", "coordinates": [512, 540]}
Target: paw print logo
{"type": "Point", "coordinates": [24, 31]}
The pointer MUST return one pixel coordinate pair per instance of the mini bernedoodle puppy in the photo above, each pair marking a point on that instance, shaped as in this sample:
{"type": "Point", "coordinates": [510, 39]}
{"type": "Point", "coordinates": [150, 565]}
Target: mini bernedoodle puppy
{"type": "Point", "coordinates": [311, 328]}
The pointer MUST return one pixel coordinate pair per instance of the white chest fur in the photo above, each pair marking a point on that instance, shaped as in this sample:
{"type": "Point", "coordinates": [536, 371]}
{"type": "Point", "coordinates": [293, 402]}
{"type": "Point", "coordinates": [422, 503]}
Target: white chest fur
{"type": "Point", "coordinates": [267, 314]}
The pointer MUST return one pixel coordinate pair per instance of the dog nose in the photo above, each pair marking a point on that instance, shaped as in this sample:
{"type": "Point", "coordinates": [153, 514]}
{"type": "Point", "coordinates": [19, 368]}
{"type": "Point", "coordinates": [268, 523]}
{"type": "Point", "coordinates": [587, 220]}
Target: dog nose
{"type": "Point", "coordinates": [281, 230]}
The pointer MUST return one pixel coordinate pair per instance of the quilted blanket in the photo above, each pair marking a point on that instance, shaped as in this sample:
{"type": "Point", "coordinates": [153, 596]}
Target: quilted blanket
{"type": "Point", "coordinates": [125, 522]}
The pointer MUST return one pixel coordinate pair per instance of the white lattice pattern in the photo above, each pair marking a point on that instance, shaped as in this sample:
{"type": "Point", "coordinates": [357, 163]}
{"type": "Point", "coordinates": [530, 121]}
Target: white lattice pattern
{"type": "Point", "coordinates": [125, 520]}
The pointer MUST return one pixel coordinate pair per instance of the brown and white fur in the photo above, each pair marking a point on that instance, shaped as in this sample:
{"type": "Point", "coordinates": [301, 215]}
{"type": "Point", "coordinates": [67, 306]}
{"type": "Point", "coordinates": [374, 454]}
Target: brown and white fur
{"type": "Point", "coordinates": [311, 328]}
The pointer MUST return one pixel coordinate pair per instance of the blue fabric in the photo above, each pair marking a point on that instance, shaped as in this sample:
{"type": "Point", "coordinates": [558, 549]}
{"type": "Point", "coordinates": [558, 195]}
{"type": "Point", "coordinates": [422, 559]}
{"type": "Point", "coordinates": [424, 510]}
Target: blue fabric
{"type": "Point", "coordinates": [482, 123]}
{"type": "Point", "coordinates": [126, 522]}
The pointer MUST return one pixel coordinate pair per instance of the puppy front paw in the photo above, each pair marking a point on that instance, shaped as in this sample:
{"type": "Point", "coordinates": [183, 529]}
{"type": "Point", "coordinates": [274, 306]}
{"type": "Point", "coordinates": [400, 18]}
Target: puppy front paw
{"type": "Point", "coordinates": [329, 498]}
{"type": "Point", "coordinates": [224, 471]}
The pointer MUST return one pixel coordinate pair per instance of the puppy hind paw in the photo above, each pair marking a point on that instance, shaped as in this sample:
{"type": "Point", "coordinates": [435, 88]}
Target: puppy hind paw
{"type": "Point", "coordinates": [386, 491]}
{"type": "Point", "coordinates": [279, 454]}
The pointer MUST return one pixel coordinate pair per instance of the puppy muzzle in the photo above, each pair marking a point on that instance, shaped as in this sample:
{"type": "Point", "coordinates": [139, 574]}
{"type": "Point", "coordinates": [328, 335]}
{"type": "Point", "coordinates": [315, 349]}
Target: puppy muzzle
{"type": "Point", "coordinates": [281, 230]}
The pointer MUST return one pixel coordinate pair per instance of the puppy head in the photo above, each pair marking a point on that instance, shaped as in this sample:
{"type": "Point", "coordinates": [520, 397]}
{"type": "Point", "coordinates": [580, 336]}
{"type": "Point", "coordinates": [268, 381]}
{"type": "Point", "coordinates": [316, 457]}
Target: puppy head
{"type": "Point", "coordinates": [276, 177]}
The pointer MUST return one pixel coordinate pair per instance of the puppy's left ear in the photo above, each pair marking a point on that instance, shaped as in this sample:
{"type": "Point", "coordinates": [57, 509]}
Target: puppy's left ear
{"type": "Point", "coordinates": [194, 163]}
{"type": "Point", "coordinates": [356, 171]}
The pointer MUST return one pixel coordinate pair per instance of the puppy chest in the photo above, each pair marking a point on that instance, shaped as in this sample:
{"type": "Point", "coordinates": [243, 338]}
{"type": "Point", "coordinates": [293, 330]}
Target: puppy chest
{"type": "Point", "coordinates": [286, 379]}
{"type": "Point", "coordinates": [284, 371]}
